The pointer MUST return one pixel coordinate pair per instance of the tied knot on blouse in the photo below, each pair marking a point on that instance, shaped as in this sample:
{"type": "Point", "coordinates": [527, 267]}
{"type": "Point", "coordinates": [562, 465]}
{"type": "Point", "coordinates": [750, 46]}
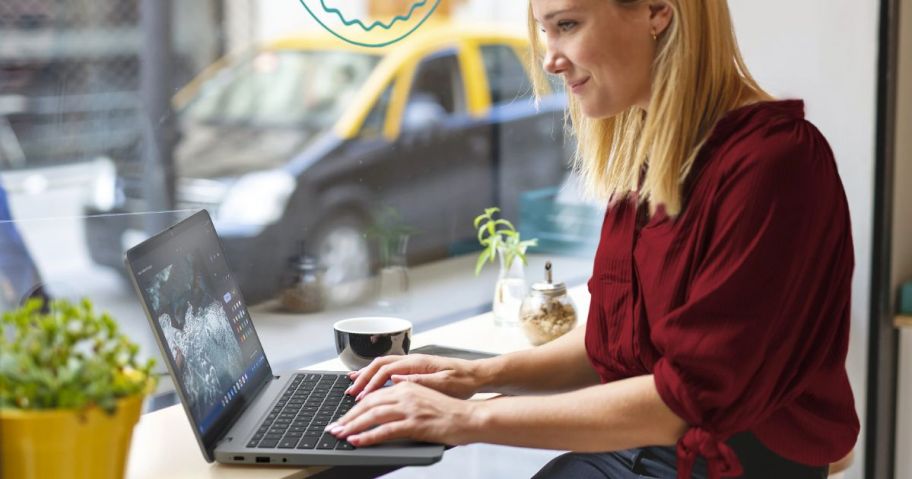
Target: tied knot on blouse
{"type": "Point", "coordinates": [721, 459]}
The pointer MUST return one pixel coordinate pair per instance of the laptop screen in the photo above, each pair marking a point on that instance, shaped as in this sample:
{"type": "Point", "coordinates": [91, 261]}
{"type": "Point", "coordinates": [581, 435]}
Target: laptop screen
{"type": "Point", "coordinates": [200, 318]}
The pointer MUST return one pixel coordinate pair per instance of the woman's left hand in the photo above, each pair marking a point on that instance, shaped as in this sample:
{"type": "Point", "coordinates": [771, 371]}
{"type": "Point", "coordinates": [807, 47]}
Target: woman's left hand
{"type": "Point", "coordinates": [406, 411]}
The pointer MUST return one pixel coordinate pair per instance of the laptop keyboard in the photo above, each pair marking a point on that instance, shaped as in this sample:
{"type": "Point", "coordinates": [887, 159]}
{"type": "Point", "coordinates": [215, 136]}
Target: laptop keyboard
{"type": "Point", "coordinates": [310, 402]}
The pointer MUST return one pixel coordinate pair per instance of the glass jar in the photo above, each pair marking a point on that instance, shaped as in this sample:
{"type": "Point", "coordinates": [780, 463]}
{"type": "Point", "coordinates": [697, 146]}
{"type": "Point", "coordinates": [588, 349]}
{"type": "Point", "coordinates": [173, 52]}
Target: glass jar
{"type": "Point", "coordinates": [547, 312]}
{"type": "Point", "coordinates": [304, 291]}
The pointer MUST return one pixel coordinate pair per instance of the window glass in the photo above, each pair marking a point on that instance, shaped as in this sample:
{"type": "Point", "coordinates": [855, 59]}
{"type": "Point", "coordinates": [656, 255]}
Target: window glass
{"type": "Point", "coordinates": [254, 120]}
{"type": "Point", "coordinates": [438, 80]}
{"type": "Point", "coordinates": [376, 118]}
{"type": "Point", "coordinates": [282, 88]}
{"type": "Point", "coordinates": [507, 78]}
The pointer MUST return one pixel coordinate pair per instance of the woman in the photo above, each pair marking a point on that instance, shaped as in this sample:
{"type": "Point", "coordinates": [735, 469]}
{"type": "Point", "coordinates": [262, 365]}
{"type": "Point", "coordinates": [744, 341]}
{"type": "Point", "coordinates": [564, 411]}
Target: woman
{"type": "Point", "coordinates": [719, 318]}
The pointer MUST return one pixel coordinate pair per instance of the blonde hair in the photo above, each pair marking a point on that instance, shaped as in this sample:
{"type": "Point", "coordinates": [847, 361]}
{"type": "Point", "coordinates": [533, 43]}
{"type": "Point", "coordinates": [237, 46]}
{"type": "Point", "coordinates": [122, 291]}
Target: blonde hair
{"type": "Point", "coordinates": [698, 76]}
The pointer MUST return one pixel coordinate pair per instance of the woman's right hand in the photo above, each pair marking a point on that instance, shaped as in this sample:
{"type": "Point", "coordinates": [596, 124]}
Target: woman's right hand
{"type": "Point", "coordinates": [458, 378]}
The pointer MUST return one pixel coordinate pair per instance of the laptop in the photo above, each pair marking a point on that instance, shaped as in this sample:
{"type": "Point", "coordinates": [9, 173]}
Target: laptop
{"type": "Point", "coordinates": [240, 410]}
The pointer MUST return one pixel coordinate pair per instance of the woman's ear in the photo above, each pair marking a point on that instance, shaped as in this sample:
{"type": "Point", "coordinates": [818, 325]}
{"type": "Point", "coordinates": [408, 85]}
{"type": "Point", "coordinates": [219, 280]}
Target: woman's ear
{"type": "Point", "coordinates": [660, 14]}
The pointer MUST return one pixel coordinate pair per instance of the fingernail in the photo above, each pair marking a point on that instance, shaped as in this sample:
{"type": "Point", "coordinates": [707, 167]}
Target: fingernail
{"type": "Point", "coordinates": [348, 389]}
{"type": "Point", "coordinates": [360, 395]}
{"type": "Point", "coordinates": [353, 440]}
{"type": "Point", "coordinates": [336, 430]}
{"type": "Point", "coordinates": [330, 426]}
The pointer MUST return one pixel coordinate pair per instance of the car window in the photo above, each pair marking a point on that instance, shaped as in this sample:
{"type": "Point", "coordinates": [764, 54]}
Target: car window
{"type": "Point", "coordinates": [507, 79]}
{"type": "Point", "coordinates": [438, 80]}
{"type": "Point", "coordinates": [310, 88]}
{"type": "Point", "coordinates": [373, 124]}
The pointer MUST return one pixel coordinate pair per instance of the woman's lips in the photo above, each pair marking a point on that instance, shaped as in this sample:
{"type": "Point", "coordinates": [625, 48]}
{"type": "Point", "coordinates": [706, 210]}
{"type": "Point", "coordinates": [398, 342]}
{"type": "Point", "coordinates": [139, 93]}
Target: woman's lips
{"type": "Point", "coordinates": [577, 86]}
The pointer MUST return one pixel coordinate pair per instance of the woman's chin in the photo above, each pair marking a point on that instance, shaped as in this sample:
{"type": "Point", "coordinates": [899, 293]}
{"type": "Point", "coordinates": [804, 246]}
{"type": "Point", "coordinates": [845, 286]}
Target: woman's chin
{"type": "Point", "coordinates": [599, 111]}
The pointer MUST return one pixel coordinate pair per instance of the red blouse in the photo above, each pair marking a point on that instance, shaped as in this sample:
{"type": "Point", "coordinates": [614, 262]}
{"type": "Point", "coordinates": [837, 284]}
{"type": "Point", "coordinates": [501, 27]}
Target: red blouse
{"type": "Point", "coordinates": [740, 305]}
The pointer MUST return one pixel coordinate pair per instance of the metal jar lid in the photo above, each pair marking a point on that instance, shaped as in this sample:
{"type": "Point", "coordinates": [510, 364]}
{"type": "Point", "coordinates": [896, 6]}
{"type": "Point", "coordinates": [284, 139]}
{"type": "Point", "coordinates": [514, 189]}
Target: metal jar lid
{"type": "Point", "coordinates": [549, 288]}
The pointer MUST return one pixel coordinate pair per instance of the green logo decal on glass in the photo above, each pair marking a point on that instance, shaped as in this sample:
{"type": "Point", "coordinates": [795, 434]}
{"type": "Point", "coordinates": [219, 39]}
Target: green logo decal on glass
{"type": "Point", "coordinates": [372, 33]}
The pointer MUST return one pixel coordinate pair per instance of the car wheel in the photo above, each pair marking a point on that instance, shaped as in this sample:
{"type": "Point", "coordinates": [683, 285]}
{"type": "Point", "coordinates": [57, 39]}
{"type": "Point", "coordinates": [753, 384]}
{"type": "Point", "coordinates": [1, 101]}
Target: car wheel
{"type": "Point", "coordinates": [343, 249]}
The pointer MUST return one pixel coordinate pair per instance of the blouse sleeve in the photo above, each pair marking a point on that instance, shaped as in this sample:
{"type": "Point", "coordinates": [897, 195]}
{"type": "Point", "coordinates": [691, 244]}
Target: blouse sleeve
{"type": "Point", "coordinates": [770, 299]}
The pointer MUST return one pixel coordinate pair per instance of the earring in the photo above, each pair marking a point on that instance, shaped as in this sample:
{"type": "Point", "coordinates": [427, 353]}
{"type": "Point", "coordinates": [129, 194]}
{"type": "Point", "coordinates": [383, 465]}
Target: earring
{"type": "Point", "coordinates": [655, 36]}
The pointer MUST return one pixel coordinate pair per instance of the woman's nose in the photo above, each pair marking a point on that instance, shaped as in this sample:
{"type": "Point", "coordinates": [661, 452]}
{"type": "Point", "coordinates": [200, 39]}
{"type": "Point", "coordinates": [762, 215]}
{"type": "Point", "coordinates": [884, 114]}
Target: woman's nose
{"type": "Point", "coordinates": [555, 63]}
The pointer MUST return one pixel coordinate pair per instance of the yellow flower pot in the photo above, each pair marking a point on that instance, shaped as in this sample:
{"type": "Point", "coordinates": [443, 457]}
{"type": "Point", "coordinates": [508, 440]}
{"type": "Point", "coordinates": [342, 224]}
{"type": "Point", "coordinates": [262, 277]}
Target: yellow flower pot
{"type": "Point", "coordinates": [67, 444]}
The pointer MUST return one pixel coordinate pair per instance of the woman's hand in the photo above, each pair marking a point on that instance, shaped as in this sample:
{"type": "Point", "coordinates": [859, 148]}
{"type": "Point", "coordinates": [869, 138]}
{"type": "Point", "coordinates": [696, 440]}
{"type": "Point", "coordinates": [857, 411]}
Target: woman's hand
{"type": "Point", "coordinates": [454, 377]}
{"type": "Point", "coordinates": [407, 411]}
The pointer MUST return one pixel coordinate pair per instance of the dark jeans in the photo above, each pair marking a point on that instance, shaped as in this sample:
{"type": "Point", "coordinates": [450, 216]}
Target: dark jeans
{"type": "Point", "coordinates": [660, 462]}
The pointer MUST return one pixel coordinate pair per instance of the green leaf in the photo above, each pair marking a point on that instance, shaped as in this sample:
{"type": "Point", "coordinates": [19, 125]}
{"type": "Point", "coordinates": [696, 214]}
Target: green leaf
{"type": "Point", "coordinates": [506, 223]}
{"type": "Point", "coordinates": [484, 256]}
{"type": "Point", "coordinates": [525, 245]}
{"type": "Point", "coordinates": [481, 238]}
{"type": "Point", "coordinates": [509, 256]}
{"type": "Point", "coordinates": [478, 220]}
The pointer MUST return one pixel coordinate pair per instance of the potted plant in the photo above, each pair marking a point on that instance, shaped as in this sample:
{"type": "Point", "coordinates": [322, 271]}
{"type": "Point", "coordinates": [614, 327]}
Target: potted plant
{"type": "Point", "coordinates": [392, 234]}
{"type": "Point", "coordinates": [500, 240]}
{"type": "Point", "coordinates": [71, 390]}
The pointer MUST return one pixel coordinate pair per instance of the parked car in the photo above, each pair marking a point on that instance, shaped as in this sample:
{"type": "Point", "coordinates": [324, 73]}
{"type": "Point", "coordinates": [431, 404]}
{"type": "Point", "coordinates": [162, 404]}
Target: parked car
{"type": "Point", "coordinates": [306, 138]}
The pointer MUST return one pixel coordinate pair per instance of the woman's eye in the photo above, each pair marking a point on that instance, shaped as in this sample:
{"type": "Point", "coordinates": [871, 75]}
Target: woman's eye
{"type": "Point", "coordinates": [566, 25]}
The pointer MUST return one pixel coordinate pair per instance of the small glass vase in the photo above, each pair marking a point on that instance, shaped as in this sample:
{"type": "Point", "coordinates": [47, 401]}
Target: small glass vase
{"type": "Point", "coordinates": [509, 292]}
{"type": "Point", "coordinates": [394, 276]}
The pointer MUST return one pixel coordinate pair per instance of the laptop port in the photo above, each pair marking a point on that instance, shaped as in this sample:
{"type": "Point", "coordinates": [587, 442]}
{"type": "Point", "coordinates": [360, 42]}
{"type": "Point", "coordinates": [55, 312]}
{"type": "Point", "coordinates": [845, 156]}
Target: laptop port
{"type": "Point", "coordinates": [238, 458]}
{"type": "Point", "coordinates": [262, 460]}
